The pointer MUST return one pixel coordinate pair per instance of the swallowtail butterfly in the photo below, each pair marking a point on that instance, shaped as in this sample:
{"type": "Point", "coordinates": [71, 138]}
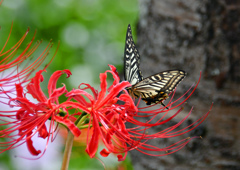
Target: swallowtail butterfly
{"type": "Point", "coordinates": [153, 89]}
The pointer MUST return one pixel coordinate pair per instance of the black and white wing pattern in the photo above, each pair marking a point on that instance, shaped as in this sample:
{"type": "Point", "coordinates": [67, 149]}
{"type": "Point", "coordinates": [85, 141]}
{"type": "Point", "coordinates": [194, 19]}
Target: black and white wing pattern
{"type": "Point", "coordinates": [131, 60]}
{"type": "Point", "coordinates": [153, 89]}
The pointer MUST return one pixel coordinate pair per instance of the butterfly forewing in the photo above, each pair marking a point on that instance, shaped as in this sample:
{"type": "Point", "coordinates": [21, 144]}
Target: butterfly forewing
{"type": "Point", "coordinates": [131, 60]}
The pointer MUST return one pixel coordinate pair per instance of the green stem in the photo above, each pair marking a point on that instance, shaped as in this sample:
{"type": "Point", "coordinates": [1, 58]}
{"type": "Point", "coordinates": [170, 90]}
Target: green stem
{"type": "Point", "coordinates": [67, 151]}
{"type": "Point", "coordinates": [69, 142]}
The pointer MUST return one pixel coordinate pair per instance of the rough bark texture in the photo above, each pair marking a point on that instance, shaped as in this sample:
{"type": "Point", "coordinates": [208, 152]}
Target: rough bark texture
{"type": "Point", "coordinates": [196, 35]}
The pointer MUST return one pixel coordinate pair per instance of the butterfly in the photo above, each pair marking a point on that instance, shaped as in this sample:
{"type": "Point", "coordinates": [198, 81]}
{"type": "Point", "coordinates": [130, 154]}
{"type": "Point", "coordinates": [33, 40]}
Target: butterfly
{"type": "Point", "coordinates": [153, 89]}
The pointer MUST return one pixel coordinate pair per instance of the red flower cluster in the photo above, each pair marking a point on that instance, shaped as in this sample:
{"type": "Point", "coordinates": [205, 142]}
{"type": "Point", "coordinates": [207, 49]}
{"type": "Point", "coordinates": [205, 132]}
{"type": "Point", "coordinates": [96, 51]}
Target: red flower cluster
{"type": "Point", "coordinates": [105, 113]}
{"type": "Point", "coordinates": [30, 118]}
{"type": "Point", "coordinates": [25, 118]}
{"type": "Point", "coordinates": [108, 114]}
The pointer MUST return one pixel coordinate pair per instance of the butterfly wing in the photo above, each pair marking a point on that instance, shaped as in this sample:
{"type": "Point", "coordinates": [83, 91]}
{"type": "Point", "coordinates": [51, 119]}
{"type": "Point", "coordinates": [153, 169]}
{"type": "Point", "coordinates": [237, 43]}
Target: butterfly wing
{"type": "Point", "coordinates": [156, 88]}
{"type": "Point", "coordinates": [132, 72]}
{"type": "Point", "coordinates": [152, 89]}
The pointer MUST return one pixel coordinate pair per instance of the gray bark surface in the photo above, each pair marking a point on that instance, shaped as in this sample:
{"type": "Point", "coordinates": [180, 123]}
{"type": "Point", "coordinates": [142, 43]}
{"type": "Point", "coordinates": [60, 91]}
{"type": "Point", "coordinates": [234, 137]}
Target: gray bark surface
{"type": "Point", "coordinates": [196, 35]}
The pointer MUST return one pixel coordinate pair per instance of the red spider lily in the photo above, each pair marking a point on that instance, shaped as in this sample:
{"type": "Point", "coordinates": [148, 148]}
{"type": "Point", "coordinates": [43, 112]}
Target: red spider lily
{"type": "Point", "coordinates": [107, 118]}
{"type": "Point", "coordinates": [30, 118]}
{"type": "Point", "coordinates": [17, 69]}
{"type": "Point", "coordinates": [102, 110]}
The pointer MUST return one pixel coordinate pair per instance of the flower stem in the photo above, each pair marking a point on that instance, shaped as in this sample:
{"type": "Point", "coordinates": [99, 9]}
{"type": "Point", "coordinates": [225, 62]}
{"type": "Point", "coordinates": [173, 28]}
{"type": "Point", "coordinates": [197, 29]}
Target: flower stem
{"type": "Point", "coordinates": [67, 151]}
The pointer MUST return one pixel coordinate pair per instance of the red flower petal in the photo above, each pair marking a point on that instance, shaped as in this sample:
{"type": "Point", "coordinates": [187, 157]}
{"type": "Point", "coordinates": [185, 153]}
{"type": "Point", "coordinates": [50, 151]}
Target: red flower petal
{"type": "Point", "coordinates": [30, 146]}
{"type": "Point", "coordinates": [34, 87]}
{"type": "Point", "coordinates": [72, 127]}
{"type": "Point", "coordinates": [105, 153]}
{"type": "Point", "coordinates": [54, 78]}
{"type": "Point", "coordinates": [93, 144]}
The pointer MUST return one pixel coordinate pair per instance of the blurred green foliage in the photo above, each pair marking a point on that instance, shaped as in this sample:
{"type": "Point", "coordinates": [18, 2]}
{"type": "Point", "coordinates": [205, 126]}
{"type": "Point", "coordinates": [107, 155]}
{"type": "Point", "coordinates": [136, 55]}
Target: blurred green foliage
{"type": "Point", "coordinates": [91, 34]}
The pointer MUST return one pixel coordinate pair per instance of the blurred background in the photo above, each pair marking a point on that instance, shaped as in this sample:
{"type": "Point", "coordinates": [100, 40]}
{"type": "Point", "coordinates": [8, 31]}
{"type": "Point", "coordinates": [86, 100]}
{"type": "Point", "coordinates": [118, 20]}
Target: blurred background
{"type": "Point", "coordinates": [92, 35]}
{"type": "Point", "coordinates": [193, 35]}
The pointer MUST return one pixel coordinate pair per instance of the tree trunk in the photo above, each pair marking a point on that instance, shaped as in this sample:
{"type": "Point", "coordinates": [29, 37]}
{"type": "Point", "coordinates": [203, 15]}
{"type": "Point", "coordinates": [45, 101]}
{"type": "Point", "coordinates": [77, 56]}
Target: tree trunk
{"type": "Point", "coordinates": [196, 35]}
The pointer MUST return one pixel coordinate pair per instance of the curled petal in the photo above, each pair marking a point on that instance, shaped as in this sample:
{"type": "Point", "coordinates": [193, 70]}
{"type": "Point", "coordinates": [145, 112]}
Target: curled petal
{"type": "Point", "coordinates": [105, 153]}
{"type": "Point", "coordinates": [56, 94]}
{"type": "Point", "coordinates": [115, 75]}
{"type": "Point", "coordinates": [54, 78]}
{"type": "Point", "coordinates": [78, 93]}
{"type": "Point", "coordinates": [43, 133]}
{"type": "Point", "coordinates": [30, 146]}
{"type": "Point", "coordinates": [112, 94]}
{"type": "Point", "coordinates": [94, 91]}
{"type": "Point", "coordinates": [72, 127]}
{"type": "Point", "coordinates": [34, 87]}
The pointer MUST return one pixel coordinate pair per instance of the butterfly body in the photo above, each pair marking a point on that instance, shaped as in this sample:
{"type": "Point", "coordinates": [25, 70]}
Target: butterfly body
{"type": "Point", "coordinates": [153, 89]}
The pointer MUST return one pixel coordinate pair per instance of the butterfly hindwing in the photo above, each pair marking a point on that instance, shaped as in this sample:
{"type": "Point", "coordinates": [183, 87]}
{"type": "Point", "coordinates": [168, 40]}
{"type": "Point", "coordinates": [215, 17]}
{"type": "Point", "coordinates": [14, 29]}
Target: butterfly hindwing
{"type": "Point", "coordinates": [156, 88]}
{"type": "Point", "coordinates": [132, 72]}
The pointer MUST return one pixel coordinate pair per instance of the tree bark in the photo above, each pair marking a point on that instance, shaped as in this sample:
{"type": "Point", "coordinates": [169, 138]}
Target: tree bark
{"type": "Point", "coordinates": [196, 35]}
